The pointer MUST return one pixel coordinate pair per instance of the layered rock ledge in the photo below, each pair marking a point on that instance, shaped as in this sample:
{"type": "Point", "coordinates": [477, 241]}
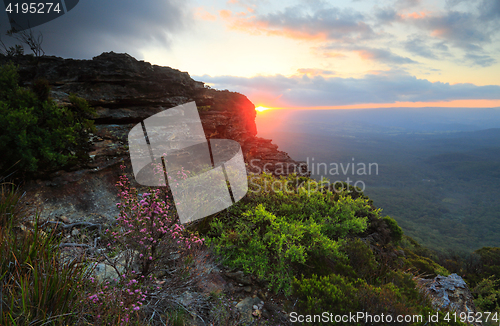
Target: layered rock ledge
{"type": "Point", "coordinates": [124, 92]}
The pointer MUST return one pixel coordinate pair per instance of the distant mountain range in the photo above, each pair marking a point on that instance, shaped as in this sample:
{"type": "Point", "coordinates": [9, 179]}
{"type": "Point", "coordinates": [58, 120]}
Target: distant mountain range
{"type": "Point", "coordinates": [387, 121]}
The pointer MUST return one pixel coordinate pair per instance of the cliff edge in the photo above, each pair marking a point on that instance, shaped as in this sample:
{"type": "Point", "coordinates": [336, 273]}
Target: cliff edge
{"type": "Point", "coordinates": [124, 92]}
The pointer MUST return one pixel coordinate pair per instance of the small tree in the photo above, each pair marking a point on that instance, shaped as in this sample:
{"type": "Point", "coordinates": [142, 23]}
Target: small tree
{"type": "Point", "coordinates": [11, 51]}
{"type": "Point", "coordinates": [28, 37]}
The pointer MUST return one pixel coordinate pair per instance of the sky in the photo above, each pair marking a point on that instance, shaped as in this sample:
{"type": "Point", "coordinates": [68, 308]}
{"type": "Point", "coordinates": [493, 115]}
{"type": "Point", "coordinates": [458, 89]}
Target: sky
{"type": "Point", "coordinates": [304, 53]}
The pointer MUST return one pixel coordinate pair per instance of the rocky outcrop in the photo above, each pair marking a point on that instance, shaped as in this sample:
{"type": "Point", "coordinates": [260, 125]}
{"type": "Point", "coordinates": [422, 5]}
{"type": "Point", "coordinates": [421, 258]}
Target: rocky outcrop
{"type": "Point", "coordinates": [125, 91]}
{"type": "Point", "coordinates": [450, 294]}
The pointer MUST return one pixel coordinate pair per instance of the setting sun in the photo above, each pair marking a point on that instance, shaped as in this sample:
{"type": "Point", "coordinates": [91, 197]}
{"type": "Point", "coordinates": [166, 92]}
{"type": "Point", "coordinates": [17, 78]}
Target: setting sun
{"type": "Point", "coordinates": [261, 108]}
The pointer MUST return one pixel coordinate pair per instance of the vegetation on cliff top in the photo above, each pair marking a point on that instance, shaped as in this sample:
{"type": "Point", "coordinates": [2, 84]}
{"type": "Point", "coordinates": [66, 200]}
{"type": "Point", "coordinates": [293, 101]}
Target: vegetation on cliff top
{"type": "Point", "coordinates": [36, 134]}
{"type": "Point", "coordinates": [325, 249]}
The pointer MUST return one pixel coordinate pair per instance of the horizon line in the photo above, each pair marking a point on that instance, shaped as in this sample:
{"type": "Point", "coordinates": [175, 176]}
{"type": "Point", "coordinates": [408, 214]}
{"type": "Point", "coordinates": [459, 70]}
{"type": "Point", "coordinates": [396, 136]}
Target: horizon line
{"type": "Point", "coordinates": [466, 104]}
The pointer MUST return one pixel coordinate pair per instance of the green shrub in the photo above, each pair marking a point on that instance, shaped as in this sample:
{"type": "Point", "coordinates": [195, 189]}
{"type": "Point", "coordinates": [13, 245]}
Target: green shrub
{"type": "Point", "coordinates": [489, 262]}
{"type": "Point", "coordinates": [281, 227]}
{"type": "Point", "coordinates": [41, 88]}
{"type": "Point", "coordinates": [487, 294]}
{"type": "Point", "coordinates": [334, 293]}
{"type": "Point", "coordinates": [35, 132]}
{"type": "Point", "coordinates": [267, 245]}
{"type": "Point", "coordinates": [396, 231]}
{"type": "Point", "coordinates": [339, 295]}
{"type": "Point", "coordinates": [361, 259]}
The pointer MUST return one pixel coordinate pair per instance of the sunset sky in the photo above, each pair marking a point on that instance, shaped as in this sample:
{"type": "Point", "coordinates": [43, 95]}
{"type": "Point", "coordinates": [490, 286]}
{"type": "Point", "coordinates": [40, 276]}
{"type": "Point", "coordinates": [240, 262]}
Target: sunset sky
{"type": "Point", "coordinates": [322, 54]}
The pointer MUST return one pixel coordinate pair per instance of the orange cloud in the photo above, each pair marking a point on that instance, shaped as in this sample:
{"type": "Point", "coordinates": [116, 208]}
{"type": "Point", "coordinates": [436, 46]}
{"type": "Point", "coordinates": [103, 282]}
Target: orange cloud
{"type": "Point", "coordinates": [294, 34]}
{"type": "Point", "coordinates": [225, 14]}
{"type": "Point", "coordinates": [241, 14]}
{"type": "Point", "coordinates": [251, 26]}
{"type": "Point", "coordinates": [334, 55]}
{"type": "Point", "coordinates": [310, 72]}
{"type": "Point", "coordinates": [439, 32]}
{"type": "Point", "coordinates": [202, 14]}
{"type": "Point", "coordinates": [365, 55]}
{"type": "Point", "coordinates": [243, 22]}
{"type": "Point", "coordinates": [415, 15]}
{"type": "Point", "coordinates": [326, 53]}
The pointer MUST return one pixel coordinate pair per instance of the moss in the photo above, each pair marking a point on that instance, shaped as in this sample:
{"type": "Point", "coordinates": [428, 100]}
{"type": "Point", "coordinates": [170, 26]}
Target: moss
{"type": "Point", "coordinates": [204, 108]}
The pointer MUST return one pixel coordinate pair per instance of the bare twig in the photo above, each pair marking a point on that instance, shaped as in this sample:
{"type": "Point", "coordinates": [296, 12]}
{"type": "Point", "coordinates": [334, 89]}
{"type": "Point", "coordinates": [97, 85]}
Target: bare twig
{"type": "Point", "coordinates": [112, 264]}
{"type": "Point", "coordinates": [72, 225]}
{"type": "Point", "coordinates": [71, 244]}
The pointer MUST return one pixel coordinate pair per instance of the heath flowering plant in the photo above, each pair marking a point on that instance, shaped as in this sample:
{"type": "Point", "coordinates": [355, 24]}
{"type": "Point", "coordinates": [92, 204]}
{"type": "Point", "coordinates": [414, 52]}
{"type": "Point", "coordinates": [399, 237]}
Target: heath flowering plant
{"type": "Point", "coordinates": [150, 226]}
{"type": "Point", "coordinates": [149, 230]}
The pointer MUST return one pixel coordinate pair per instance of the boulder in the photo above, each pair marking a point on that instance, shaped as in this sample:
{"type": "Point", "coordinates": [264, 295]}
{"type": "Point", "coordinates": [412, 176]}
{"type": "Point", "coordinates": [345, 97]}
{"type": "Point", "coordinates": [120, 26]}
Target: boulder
{"type": "Point", "coordinates": [126, 260]}
{"type": "Point", "coordinates": [450, 293]}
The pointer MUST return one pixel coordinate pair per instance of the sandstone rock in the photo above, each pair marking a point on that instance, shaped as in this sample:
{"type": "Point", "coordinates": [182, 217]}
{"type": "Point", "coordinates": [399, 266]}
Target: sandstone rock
{"type": "Point", "coordinates": [239, 276]}
{"type": "Point", "coordinates": [214, 283]}
{"type": "Point", "coordinates": [105, 273]}
{"type": "Point", "coordinates": [245, 307]}
{"type": "Point", "coordinates": [449, 293]}
{"type": "Point", "coordinates": [125, 259]}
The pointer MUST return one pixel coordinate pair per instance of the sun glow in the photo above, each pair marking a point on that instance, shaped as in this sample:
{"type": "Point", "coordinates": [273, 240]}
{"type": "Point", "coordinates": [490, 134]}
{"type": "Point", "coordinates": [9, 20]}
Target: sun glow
{"type": "Point", "coordinates": [261, 108]}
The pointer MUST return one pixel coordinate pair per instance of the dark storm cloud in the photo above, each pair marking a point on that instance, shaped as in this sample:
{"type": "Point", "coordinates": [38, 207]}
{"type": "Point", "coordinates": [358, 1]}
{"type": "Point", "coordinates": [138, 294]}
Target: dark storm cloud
{"type": "Point", "coordinates": [418, 46]}
{"type": "Point", "coordinates": [385, 56]}
{"type": "Point", "coordinates": [388, 87]}
{"type": "Point", "coordinates": [462, 29]}
{"type": "Point", "coordinates": [95, 26]}
{"type": "Point", "coordinates": [470, 31]}
{"type": "Point", "coordinates": [425, 47]}
{"type": "Point", "coordinates": [406, 4]}
{"type": "Point", "coordinates": [480, 60]}
{"type": "Point", "coordinates": [311, 21]}
{"type": "Point", "coordinates": [453, 3]}
{"type": "Point", "coordinates": [386, 15]}
{"type": "Point", "coordinates": [490, 10]}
